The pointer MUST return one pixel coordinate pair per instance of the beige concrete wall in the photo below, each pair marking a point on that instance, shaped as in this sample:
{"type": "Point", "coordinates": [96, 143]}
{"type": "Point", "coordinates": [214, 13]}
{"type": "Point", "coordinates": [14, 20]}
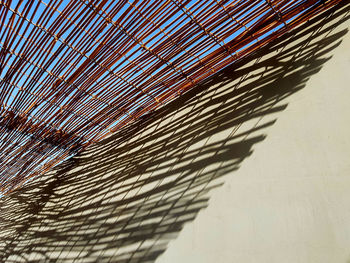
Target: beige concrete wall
{"type": "Point", "coordinates": [251, 166]}
{"type": "Point", "coordinates": [290, 200]}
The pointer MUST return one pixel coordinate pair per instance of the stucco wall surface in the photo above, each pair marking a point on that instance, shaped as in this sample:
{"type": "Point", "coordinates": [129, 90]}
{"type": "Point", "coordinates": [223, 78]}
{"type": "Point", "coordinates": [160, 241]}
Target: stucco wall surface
{"type": "Point", "coordinates": [290, 200]}
{"type": "Point", "coordinates": [251, 166]}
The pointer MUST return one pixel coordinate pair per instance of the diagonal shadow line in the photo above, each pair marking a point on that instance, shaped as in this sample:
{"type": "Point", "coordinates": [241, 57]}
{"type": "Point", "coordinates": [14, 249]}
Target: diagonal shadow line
{"type": "Point", "coordinates": [125, 198]}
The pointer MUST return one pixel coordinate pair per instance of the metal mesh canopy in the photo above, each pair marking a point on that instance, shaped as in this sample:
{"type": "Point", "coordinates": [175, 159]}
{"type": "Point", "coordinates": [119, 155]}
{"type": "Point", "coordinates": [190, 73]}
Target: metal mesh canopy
{"type": "Point", "coordinates": [74, 71]}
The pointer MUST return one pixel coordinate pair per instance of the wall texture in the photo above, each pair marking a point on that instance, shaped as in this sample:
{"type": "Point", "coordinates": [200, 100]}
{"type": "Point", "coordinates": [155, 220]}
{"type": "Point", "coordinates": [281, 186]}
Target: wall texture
{"type": "Point", "coordinates": [290, 200]}
{"type": "Point", "coordinates": [251, 166]}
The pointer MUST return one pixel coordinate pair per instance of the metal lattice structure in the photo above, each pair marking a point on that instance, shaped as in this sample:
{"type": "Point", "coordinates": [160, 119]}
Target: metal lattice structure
{"type": "Point", "coordinates": [73, 72]}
